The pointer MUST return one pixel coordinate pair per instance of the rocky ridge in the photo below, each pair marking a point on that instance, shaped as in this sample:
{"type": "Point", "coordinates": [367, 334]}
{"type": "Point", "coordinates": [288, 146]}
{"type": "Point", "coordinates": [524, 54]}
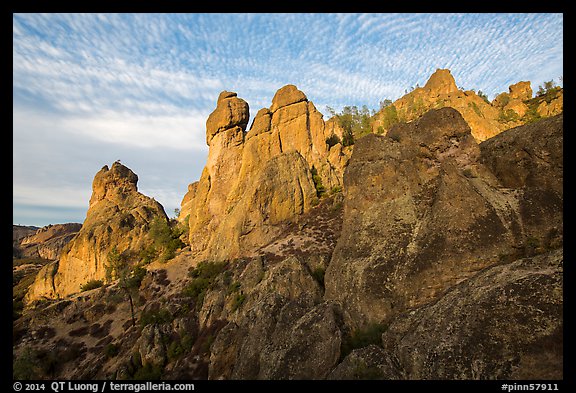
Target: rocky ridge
{"type": "Point", "coordinates": [48, 242]}
{"type": "Point", "coordinates": [425, 233]}
{"type": "Point", "coordinates": [486, 119]}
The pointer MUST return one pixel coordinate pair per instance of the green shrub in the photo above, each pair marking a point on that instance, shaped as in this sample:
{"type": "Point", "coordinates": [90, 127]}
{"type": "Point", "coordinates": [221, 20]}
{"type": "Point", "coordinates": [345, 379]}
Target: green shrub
{"type": "Point", "coordinates": [549, 87]}
{"type": "Point", "coordinates": [160, 316]}
{"type": "Point", "coordinates": [148, 254]}
{"type": "Point", "coordinates": [196, 289]}
{"type": "Point", "coordinates": [531, 115]}
{"type": "Point", "coordinates": [389, 117]}
{"type": "Point", "coordinates": [507, 116]}
{"type": "Point", "coordinates": [203, 277]}
{"type": "Point", "coordinates": [483, 96]}
{"type": "Point", "coordinates": [135, 278]}
{"type": "Point", "coordinates": [371, 334]}
{"type": "Point", "coordinates": [25, 367]}
{"type": "Point", "coordinates": [17, 308]}
{"type": "Point", "coordinates": [320, 189]}
{"type": "Point", "coordinates": [111, 350]}
{"type": "Point", "coordinates": [318, 275]}
{"type": "Point", "coordinates": [238, 300]}
{"type": "Point", "coordinates": [333, 140]}
{"type": "Point", "coordinates": [148, 373]}
{"type": "Point", "coordinates": [207, 269]}
{"type": "Point", "coordinates": [355, 122]}
{"type": "Point", "coordinates": [234, 287]}
{"type": "Point", "coordinates": [166, 238]}
{"type": "Point", "coordinates": [92, 284]}
{"type": "Point", "coordinates": [175, 350]}
{"type": "Point", "coordinates": [336, 190]}
{"type": "Point", "coordinates": [467, 172]}
{"type": "Point", "coordinates": [476, 109]}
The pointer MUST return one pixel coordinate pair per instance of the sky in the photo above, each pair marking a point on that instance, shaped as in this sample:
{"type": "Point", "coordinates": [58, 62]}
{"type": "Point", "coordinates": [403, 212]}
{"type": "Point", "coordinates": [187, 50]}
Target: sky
{"type": "Point", "coordinates": [90, 89]}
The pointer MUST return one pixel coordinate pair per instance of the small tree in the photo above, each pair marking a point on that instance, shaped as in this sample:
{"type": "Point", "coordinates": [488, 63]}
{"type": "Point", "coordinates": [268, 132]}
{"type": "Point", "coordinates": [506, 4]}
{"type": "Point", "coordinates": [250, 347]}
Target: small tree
{"type": "Point", "coordinates": [166, 238]}
{"type": "Point", "coordinates": [483, 96]}
{"type": "Point", "coordinates": [548, 87]}
{"type": "Point", "coordinates": [347, 137]}
{"type": "Point", "coordinates": [384, 103]}
{"type": "Point", "coordinates": [129, 278]}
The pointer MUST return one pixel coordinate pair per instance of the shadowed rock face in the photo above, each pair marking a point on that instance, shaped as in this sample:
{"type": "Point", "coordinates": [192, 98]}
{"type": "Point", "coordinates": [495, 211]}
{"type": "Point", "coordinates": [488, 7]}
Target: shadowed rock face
{"type": "Point", "coordinates": [506, 322]}
{"type": "Point", "coordinates": [530, 159]}
{"type": "Point", "coordinates": [422, 212]}
{"type": "Point", "coordinates": [118, 216]}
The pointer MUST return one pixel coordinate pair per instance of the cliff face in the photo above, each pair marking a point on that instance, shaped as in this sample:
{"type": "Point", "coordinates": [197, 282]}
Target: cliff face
{"type": "Point", "coordinates": [118, 216]}
{"type": "Point", "coordinates": [486, 119]}
{"type": "Point", "coordinates": [426, 207]}
{"type": "Point", "coordinates": [257, 179]}
{"type": "Point", "coordinates": [506, 322]}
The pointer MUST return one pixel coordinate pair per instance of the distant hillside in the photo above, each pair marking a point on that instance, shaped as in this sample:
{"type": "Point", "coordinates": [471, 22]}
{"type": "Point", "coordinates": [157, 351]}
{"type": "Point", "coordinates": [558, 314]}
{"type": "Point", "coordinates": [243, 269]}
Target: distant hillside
{"type": "Point", "coordinates": [20, 231]}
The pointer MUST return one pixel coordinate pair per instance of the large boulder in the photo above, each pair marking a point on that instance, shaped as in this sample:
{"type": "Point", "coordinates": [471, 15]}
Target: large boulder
{"type": "Point", "coordinates": [230, 112]}
{"type": "Point", "coordinates": [441, 82]}
{"type": "Point", "coordinates": [426, 208]}
{"type": "Point", "coordinates": [520, 91]}
{"type": "Point", "coordinates": [504, 323]}
{"type": "Point", "coordinates": [282, 329]}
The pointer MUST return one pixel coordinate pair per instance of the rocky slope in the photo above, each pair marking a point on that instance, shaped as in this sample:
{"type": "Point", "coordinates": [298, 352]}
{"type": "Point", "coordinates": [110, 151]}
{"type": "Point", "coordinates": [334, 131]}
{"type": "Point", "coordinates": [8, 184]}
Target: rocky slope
{"type": "Point", "coordinates": [486, 119]}
{"type": "Point", "coordinates": [432, 256]}
{"type": "Point", "coordinates": [21, 231]}
{"type": "Point", "coordinates": [118, 218]}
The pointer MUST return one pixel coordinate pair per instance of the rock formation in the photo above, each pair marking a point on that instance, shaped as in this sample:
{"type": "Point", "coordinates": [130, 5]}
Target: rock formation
{"type": "Point", "coordinates": [118, 216]}
{"type": "Point", "coordinates": [21, 231]}
{"type": "Point", "coordinates": [504, 323]}
{"type": "Point", "coordinates": [485, 119]}
{"type": "Point", "coordinates": [435, 257]}
{"type": "Point", "coordinates": [426, 207]}
{"type": "Point", "coordinates": [257, 179]}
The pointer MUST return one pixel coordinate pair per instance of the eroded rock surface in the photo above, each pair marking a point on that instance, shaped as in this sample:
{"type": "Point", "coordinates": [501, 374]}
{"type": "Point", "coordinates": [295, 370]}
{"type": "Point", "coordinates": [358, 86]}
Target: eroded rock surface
{"type": "Point", "coordinates": [256, 179]}
{"type": "Point", "coordinates": [118, 217]}
{"type": "Point", "coordinates": [425, 208]}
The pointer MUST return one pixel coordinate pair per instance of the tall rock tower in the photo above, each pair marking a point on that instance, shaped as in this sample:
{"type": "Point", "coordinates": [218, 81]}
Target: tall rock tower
{"type": "Point", "coordinates": [257, 179]}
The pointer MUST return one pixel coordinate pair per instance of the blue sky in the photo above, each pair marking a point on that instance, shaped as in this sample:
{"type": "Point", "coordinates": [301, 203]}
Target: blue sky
{"type": "Point", "coordinates": [90, 89]}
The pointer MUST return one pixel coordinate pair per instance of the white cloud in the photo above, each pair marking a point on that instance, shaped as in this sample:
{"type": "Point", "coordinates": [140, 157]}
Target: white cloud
{"type": "Point", "coordinates": [173, 132]}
